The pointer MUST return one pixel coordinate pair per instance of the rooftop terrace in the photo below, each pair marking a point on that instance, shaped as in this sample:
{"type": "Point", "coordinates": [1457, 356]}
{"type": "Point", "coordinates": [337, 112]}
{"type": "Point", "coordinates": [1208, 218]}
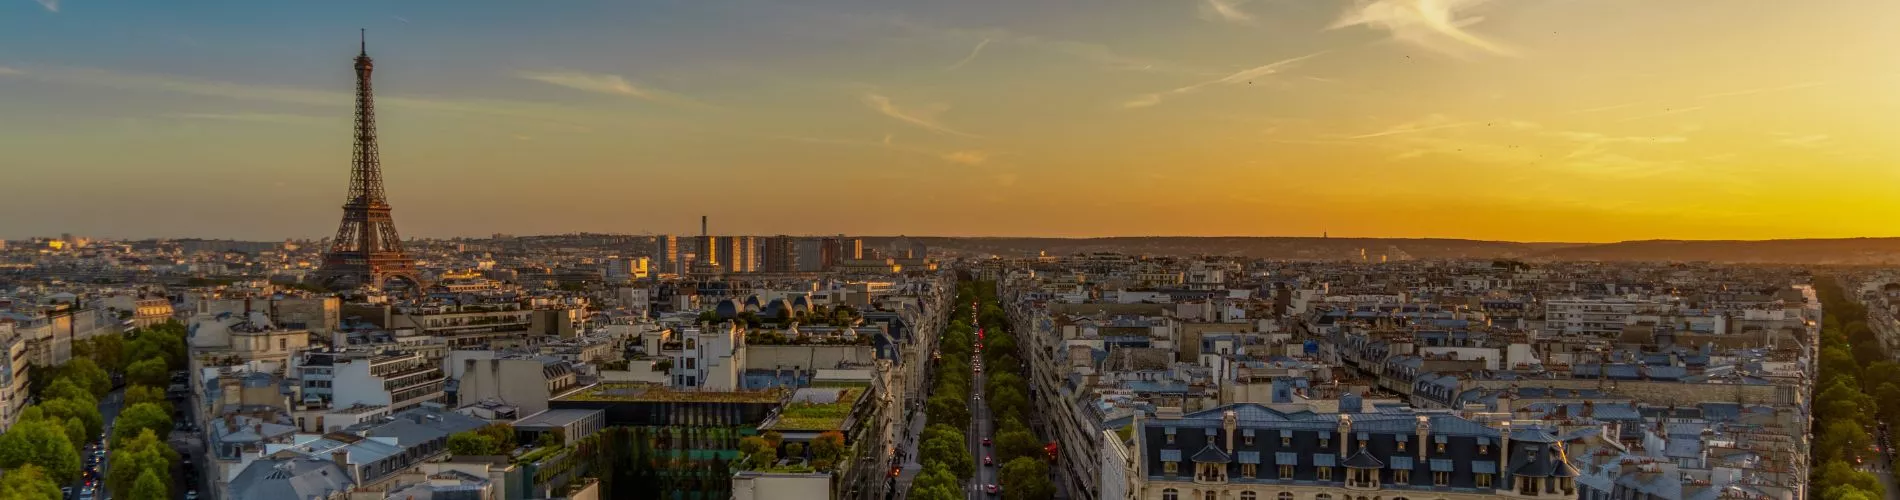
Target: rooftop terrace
{"type": "Point", "coordinates": [655, 393]}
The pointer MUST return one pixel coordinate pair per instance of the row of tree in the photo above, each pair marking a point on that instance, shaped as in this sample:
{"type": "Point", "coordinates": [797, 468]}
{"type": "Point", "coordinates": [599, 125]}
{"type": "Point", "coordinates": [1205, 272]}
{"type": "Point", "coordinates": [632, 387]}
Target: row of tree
{"type": "Point", "coordinates": [1857, 382]}
{"type": "Point", "coordinates": [944, 451]}
{"type": "Point", "coordinates": [46, 443]}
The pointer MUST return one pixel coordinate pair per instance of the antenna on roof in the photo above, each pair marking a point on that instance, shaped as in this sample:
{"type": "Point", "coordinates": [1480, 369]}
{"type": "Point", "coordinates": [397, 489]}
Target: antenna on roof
{"type": "Point", "coordinates": [362, 41]}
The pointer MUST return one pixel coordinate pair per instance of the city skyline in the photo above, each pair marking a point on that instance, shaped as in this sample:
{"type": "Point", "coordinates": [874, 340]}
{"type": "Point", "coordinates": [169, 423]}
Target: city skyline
{"type": "Point", "coordinates": [1521, 121]}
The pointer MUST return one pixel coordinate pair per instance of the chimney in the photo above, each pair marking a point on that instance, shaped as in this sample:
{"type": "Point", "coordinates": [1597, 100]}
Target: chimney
{"type": "Point", "coordinates": [342, 459]}
{"type": "Point", "coordinates": [702, 225]}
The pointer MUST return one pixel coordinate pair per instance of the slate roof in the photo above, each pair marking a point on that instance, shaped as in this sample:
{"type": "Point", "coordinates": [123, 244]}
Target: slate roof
{"type": "Point", "coordinates": [272, 479]}
{"type": "Point", "coordinates": [1364, 460]}
{"type": "Point", "coordinates": [1212, 455]}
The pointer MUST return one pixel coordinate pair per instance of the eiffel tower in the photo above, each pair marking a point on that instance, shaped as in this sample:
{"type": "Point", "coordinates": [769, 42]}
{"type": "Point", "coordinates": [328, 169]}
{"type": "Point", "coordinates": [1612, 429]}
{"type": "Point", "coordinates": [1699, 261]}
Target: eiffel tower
{"type": "Point", "coordinates": [367, 252]}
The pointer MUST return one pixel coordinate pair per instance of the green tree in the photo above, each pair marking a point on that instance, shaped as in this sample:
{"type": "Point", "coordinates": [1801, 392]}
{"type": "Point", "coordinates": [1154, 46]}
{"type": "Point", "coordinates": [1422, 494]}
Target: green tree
{"type": "Point", "coordinates": [86, 411]}
{"type": "Point", "coordinates": [1026, 478]}
{"type": "Point", "coordinates": [139, 418]}
{"type": "Point", "coordinates": [472, 443]}
{"type": "Point", "coordinates": [151, 372]}
{"type": "Point", "coordinates": [1014, 444]}
{"type": "Point", "coordinates": [502, 434]}
{"type": "Point", "coordinates": [136, 455]}
{"type": "Point", "coordinates": [827, 449]}
{"type": "Point", "coordinates": [28, 483]}
{"type": "Point", "coordinates": [951, 451]}
{"type": "Point", "coordinates": [140, 393]}
{"type": "Point", "coordinates": [106, 350]}
{"type": "Point", "coordinates": [64, 388]}
{"type": "Point", "coordinates": [948, 408]}
{"type": "Point", "coordinates": [149, 487]}
{"type": "Point", "coordinates": [1841, 473]}
{"type": "Point", "coordinates": [773, 439]}
{"type": "Point", "coordinates": [76, 432]}
{"type": "Point", "coordinates": [88, 375]}
{"type": "Point", "coordinates": [40, 442]}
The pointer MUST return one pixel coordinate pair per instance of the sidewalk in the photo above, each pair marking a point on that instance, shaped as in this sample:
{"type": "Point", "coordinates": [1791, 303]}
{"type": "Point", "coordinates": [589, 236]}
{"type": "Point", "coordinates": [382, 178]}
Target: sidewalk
{"type": "Point", "coordinates": [909, 449]}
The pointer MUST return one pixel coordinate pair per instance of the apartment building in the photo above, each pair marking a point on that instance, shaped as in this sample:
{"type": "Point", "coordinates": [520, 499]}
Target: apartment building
{"type": "Point", "coordinates": [345, 378]}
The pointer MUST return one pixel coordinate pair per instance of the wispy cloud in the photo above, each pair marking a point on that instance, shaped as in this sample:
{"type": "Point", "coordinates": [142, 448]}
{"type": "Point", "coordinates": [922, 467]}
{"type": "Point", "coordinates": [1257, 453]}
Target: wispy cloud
{"type": "Point", "coordinates": [147, 82]}
{"type": "Point", "coordinates": [593, 82]}
{"type": "Point", "coordinates": [968, 157]}
{"type": "Point", "coordinates": [1238, 77]}
{"type": "Point", "coordinates": [1093, 53]}
{"type": "Point", "coordinates": [400, 19]}
{"type": "Point", "coordinates": [1663, 113]}
{"type": "Point", "coordinates": [281, 118]}
{"type": "Point", "coordinates": [1431, 123]}
{"type": "Point", "coordinates": [1600, 109]}
{"type": "Point", "coordinates": [10, 71]}
{"type": "Point", "coordinates": [924, 117]}
{"type": "Point", "coordinates": [1434, 24]}
{"type": "Point", "coordinates": [972, 57]}
{"type": "Point", "coordinates": [1743, 92]}
{"type": "Point", "coordinates": [963, 157]}
{"type": "Point", "coordinates": [50, 5]}
{"type": "Point", "coordinates": [1803, 141]}
{"type": "Point", "coordinates": [1225, 10]}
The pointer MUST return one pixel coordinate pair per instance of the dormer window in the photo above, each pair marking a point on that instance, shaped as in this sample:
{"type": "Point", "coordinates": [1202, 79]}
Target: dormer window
{"type": "Point", "coordinates": [1441, 446]}
{"type": "Point", "coordinates": [1402, 444]}
{"type": "Point", "coordinates": [1483, 448]}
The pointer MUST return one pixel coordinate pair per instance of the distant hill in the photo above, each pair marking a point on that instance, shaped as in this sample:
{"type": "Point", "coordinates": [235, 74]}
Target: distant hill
{"type": "Point", "coordinates": [1846, 251]}
{"type": "Point", "coordinates": [1255, 247]}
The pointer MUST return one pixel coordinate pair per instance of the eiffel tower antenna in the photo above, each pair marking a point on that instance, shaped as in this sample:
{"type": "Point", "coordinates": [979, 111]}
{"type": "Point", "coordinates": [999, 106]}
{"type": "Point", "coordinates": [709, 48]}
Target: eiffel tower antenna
{"type": "Point", "coordinates": [367, 251]}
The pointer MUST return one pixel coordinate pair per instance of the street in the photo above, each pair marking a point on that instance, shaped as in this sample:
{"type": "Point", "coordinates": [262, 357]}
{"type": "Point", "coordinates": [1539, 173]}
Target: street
{"type": "Point", "coordinates": [982, 427]}
{"type": "Point", "coordinates": [109, 409]}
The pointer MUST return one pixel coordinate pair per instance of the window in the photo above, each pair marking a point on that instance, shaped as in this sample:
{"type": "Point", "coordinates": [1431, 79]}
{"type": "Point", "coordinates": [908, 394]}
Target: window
{"type": "Point", "coordinates": [1484, 480]}
{"type": "Point", "coordinates": [283, 344]}
{"type": "Point", "coordinates": [1325, 473]}
{"type": "Point", "coordinates": [1170, 467]}
{"type": "Point", "coordinates": [1249, 471]}
{"type": "Point", "coordinates": [1212, 495]}
{"type": "Point", "coordinates": [1401, 476]}
{"type": "Point", "coordinates": [1285, 440]}
{"type": "Point", "coordinates": [691, 362]}
{"type": "Point", "coordinates": [1248, 495]}
{"type": "Point", "coordinates": [1170, 438]}
{"type": "Point", "coordinates": [692, 343]}
{"type": "Point", "coordinates": [1286, 472]}
{"type": "Point", "coordinates": [1441, 446]}
{"type": "Point", "coordinates": [1483, 448]}
{"type": "Point", "coordinates": [1362, 444]}
{"type": "Point", "coordinates": [1170, 494]}
{"type": "Point", "coordinates": [1402, 444]}
{"type": "Point", "coordinates": [1285, 496]}
{"type": "Point", "coordinates": [1323, 496]}
{"type": "Point", "coordinates": [1247, 441]}
{"type": "Point", "coordinates": [1441, 478]}
{"type": "Point", "coordinates": [1323, 442]}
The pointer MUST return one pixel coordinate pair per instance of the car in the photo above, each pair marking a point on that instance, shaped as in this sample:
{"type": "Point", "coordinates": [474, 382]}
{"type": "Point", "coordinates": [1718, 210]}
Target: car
{"type": "Point", "coordinates": [66, 492]}
{"type": "Point", "coordinates": [977, 396]}
{"type": "Point", "coordinates": [988, 462]}
{"type": "Point", "coordinates": [986, 441]}
{"type": "Point", "coordinates": [991, 489]}
{"type": "Point", "coordinates": [191, 495]}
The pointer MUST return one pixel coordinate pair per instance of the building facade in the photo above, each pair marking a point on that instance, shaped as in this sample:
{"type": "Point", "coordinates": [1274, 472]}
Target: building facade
{"type": "Point", "coordinates": [1253, 452]}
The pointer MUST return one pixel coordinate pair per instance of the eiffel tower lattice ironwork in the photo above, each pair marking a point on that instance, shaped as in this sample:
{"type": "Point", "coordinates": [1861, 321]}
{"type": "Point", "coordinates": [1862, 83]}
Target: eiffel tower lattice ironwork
{"type": "Point", "coordinates": [367, 251]}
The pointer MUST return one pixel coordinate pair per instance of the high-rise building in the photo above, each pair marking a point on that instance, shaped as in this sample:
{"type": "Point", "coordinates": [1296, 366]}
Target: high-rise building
{"type": "Point", "coordinates": [737, 254]}
{"type": "Point", "coordinates": [666, 254]}
{"type": "Point", "coordinates": [367, 251]}
{"type": "Point", "coordinates": [853, 248]}
{"type": "Point", "coordinates": [830, 253]}
{"type": "Point", "coordinates": [808, 254]}
{"type": "Point", "coordinates": [777, 255]}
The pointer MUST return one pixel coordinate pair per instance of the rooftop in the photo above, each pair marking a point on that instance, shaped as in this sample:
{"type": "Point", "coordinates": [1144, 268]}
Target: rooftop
{"type": "Point", "coordinates": [818, 409]}
{"type": "Point", "coordinates": [656, 393]}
